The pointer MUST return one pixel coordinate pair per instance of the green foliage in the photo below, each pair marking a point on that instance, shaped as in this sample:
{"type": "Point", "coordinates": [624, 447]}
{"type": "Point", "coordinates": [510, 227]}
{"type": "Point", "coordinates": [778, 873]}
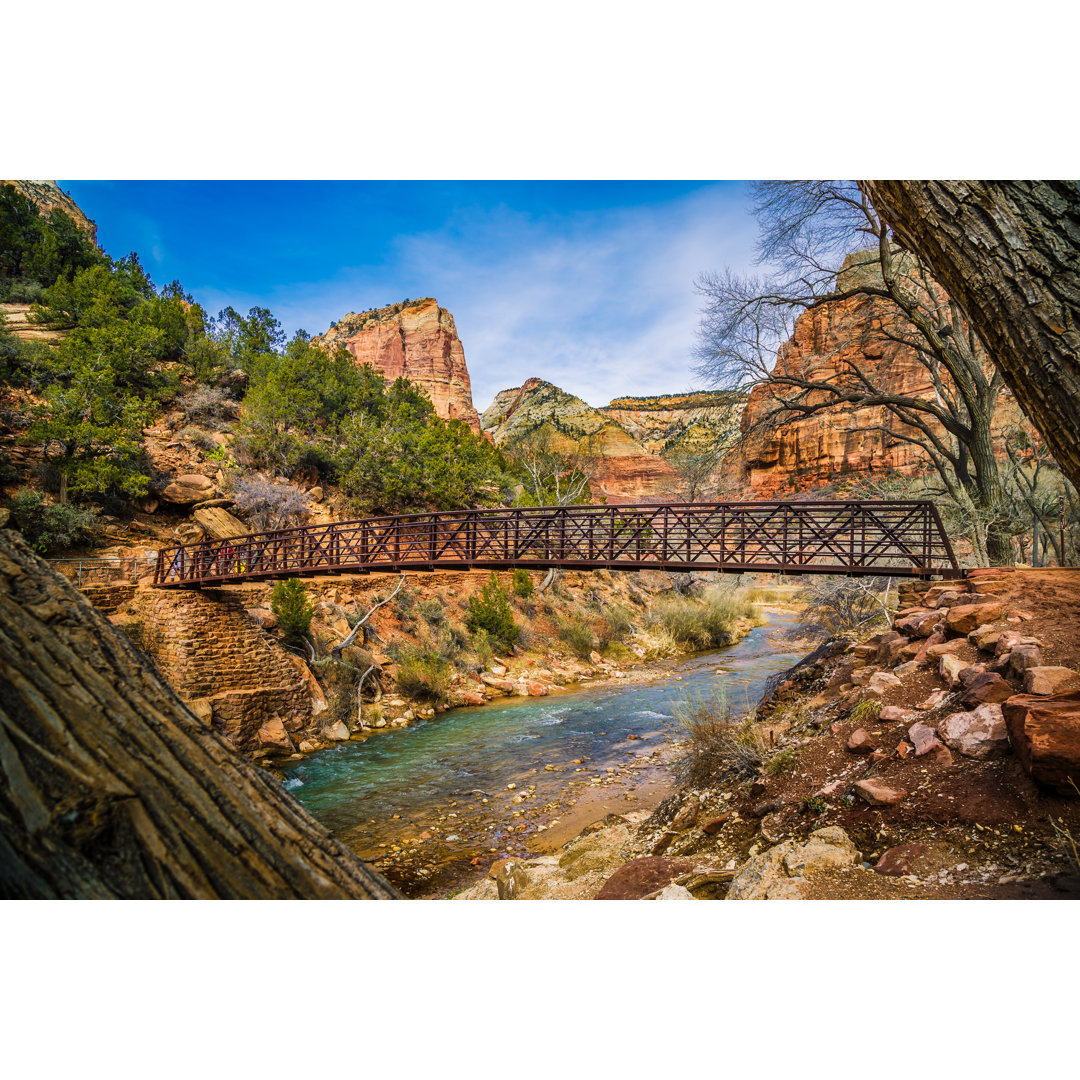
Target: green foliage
{"type": "Point", "coordinates": [523, 584]}
{"type": "Point", "coordinates": [814, 804]}
{"type": "Point", "coordinates": [50, 527]}
{"type": "Point", "coordinates": [782, 761]}
{"type": "Point", "coordinates": [715, 747]}
{"type": "Point", "coordinates": [424, 674]}
{"type": "Point", "coordinates": [36, 249]}
{"type": "Point", "coordinates": [866, 712]}
{"type": "Point", "coordinates": [706, 623]}
{"type": "Point", "coordinates": [432, 610]}
{"type": "Point", "coordinates": [491, 612]}
{"type": "Point", "coordinates": [290, 604]}
{"type": "Point", "coordinates": [577, 634]}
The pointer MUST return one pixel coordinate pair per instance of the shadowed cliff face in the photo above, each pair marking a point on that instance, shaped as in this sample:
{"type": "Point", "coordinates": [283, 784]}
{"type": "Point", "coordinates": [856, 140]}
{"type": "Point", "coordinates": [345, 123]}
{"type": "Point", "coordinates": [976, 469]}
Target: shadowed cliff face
{"type": "Point", "coordinates": [417, 340]}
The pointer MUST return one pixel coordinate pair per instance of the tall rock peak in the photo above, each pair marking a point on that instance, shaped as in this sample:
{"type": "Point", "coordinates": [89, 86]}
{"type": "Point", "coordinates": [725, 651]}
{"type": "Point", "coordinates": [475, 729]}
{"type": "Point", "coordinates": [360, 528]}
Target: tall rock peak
{"type": "Point", "coordinates": [416, 339]}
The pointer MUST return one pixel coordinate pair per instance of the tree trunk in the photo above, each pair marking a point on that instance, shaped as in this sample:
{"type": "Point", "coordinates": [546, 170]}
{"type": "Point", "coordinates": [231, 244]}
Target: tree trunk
{"type": "Point", "coordinates": [1009, 254]}
{"type": "Point", "coordinates": [110, 788]}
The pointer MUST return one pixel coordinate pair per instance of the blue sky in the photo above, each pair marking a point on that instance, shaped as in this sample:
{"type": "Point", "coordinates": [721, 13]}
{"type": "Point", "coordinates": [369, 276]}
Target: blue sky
{"type": "Point", "coordinates": [587, 284]}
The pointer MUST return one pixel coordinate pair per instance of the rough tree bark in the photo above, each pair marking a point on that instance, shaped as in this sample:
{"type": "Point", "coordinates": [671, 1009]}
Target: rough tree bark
{"type": "Point", "coordinates": [110, 788]}
{"type": "Point", "coordinates": [1009, 254]}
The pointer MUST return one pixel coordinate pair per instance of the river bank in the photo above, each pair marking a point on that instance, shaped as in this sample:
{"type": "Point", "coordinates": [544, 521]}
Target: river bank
{"type": "Point", "coordinates": [433, 805]}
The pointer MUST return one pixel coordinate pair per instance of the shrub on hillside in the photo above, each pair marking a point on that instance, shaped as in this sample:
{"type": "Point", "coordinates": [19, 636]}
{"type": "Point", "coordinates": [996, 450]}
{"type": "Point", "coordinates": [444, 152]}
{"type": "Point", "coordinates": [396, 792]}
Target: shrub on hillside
{"type": "Point", "coordinates": [204, 404]}
{"type": "Point", "coordinates": [294, 611]}
{"type": "Point", "coordinates": [424, 674]}
{"type": "Point", "coordinates": [577, 635]}
{"type": "Point", "coordinates": [50, 527]}
{"type": "Point", "coordinates": [491, 612]}
{"type": "Point", "coordinates": [267, 506]}
{"type": "Point", "coordinates": [715, 747]}
{"type": "Point", "coordinates": [706, 623]}
{"type": "Point", "coordinates": [523, 584]}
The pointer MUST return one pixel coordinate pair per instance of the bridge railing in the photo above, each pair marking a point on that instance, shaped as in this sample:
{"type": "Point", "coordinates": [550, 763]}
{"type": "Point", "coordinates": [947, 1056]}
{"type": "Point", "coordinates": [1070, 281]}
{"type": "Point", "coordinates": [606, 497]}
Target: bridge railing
{"type": "Point", "coordinates": [897, 538]}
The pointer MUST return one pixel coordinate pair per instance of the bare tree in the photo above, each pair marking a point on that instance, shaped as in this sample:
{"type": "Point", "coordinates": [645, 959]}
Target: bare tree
{"type": "Point", "coordinates": [810, 231]}
{"type": "Point", "coordinates": [268, 506]}
{"type": "Point", "coordinates": [696, 468]}
{"type": "Point", "coordinates": [555, 476]}
{"type": "Point", "coordinates": [1009, 254]}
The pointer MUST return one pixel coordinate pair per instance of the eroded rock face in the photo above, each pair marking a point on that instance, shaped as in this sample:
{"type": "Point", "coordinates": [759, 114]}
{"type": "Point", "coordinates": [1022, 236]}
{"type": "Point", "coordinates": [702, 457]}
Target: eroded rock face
{"type": "Point", "coordinates": [626, 470]}
{"type": "Point", "coordinates": [190, 488]}
{"type": "Point", "coordinates": [812, 450]}
{"type": "Point", "coordinates": [417, 340]}
{"type": "Point", "coordinates": [47, 196]}
{"type": "Point", "coordinates": [775, 874]}
{"type": "Point", "coordinates": [1045, 733]}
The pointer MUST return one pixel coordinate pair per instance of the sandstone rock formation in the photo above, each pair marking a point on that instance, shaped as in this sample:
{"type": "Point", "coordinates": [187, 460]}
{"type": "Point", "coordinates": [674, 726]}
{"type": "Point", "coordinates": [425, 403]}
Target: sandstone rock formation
{"type": "Point", "coordinates": [626, 470]}
{"type": "Point", "coordinates": [416, 339]}
{"type": "Point", "coordinates": [670, 423]}
{"type": "Point", "coordinates": [47, 196]}
{"type": "Point", "coordinates": [810, 451]}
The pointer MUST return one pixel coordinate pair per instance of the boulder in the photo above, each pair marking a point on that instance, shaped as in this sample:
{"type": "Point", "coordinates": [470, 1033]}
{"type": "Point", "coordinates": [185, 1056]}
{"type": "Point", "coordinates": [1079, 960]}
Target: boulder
{"type": "Point", "coordinates": [881, 683]}
{"type": "Point", "coordinates": [674, 892]}
{"type": "Point", "coordinates": [979, 734]}
{"type": "Point", "coordinates": [987, 686]}
{"type": "Point", "coordinates": [1021, 657]}
{"type": "Point", "coordinates": [687, 815]}
{"type": "Point", "coordinates": [878, 793]}
{"type": "Point", "coordinates": [498, 684]}
{"type": "Point", "coordinates": [964, 618]}
{"type": "Point", "coordinates": [601, 850]}
{"type": "Point", "coordinates": [536, 689]}
{"type": "Point", "coordinates": [985, 637]}
{"type": "Point", "coordinates": [950, 668]}
{"type": "Point", "coordinates": [202, 708]}
{"type": "Point", "coordinates": [1050, 680]}
{"type": "Point", "coordinates": [1045, 733]}
{"type": "Point", "coordinates": [943, 648]}
{"type": "Point", "coordinates": [639, 877]}
{"type": "Point", "coordinates": [218, 523]}
{"type": "Point", "coordinates": [524, 879]}
{"type": "Point", "coordinates": [714, 825]}
{"type": "Point", "coordinates": [188, 489]}
{"type": "Point", "coordinates": [899, 861]}
{"type": "Point", "coordinates": [264, 617]}
{"type": "Point", "coordinates": [775, 874]}
{"type": "Point", "coordinates": [889, 647]}
{"type": "Point", "coordinates": [859, 742]}
{"type": "Point", "coordinates": [923, 737]}
{"type": "Point", "coordinates": [891, 713]}
{"type": "Point", "coordinates": [273, 734]}
{"type": "Point", "coordinates": [336, 732]}
{"type": "Point", "coordinates": [318, 698]}
{"type": "Point", "coordinates": [933, 700]}
{"type": "Point", "coordinates": [471, 697]}
{"type": "Point", "coordinates": [188, 533]}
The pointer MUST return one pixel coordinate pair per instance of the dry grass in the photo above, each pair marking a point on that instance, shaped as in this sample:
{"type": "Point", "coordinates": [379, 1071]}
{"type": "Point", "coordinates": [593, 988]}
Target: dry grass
{"type": "Point", "coordinates": [707, 623]}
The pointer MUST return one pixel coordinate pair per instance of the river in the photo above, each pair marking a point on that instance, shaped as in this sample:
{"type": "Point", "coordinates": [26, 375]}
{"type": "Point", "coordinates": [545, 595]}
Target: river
{"type": "Point", "coordinates": [431, 805]}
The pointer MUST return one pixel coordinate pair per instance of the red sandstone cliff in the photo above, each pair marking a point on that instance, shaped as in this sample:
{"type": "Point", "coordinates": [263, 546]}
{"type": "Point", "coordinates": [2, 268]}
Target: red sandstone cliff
{"type": "Point", "coordinates": [416, 339]}
{"type": "Point", "coordinates": [811, 451]}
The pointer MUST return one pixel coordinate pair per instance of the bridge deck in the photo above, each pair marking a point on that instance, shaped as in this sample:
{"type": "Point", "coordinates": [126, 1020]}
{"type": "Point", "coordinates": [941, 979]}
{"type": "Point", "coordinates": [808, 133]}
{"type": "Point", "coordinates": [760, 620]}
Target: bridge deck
{"type": "Point", "coordinates": [901, 538]}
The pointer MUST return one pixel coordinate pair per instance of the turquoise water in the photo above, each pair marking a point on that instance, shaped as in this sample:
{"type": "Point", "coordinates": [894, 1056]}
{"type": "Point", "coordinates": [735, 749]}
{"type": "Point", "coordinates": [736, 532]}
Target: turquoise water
{"type": "Point", "coordinates": [466, 755]}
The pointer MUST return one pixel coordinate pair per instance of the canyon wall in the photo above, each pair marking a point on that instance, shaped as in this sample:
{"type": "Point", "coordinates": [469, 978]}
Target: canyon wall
{"type": "Point", "coordinates": [416, 339]}
{"type": "Point", "coordinates": [843, 442]}
{"type": "Point", "coordinates": [671, 423]}
{"type": "Point", "coordinates": [626, 471]}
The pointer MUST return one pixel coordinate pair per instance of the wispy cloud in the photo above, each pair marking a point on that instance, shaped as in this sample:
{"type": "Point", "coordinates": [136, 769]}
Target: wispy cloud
{"type": "Point", "coordinates": [601, 303]}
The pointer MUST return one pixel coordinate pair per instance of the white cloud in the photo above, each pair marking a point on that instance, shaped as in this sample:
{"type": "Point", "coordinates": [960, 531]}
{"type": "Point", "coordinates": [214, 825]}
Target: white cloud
{"type": "Point", "coordinates": [601, 304]}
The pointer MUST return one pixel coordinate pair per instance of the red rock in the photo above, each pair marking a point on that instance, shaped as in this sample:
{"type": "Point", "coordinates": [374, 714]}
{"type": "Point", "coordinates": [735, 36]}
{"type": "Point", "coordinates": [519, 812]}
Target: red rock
{"type": "Point", "coordinates": [940, 755]}
{"type": "Point", "coordinates": [892, 713]}
{"type": "Point", "coordinates": [417, 340]}
{"type": "Point", "coordinates": [640, 877]}
{"type": "Point", "coordinates": [977, 734]}
{"type": "Point", "coordinates": [965, 618]}
{"type": "Point", "coordinates": [949, 669]}
{"type": "Point", "coordinates": [1022, 657]}
{"type": "Point", "coordinates": [498, 684]}
{"type": "Point", "coordinates": [471, 697]}
{"type": "Point", "coordinates": [881, 682]}
{"type": "Point", "coordinates": [1045, 733]}
{"type": "Point", "coordinates": [878, 793]}
{"type": "Point", "coordinates": [986, 687]}
{"type": "Point", "coordinates": [537, 689]}
{"type": "Point", "coordinates": [924, 737]}
{"type": "Point", "coordinates": [1050, 680]}
{"type": "Point", "coordinates": [902, 749]}
{"type": "Point", "coordinates": [897, 861]}
{"type": "Point", "coordinates": [859, 742]}
{"type": "Point", "coordinates": [273, 734]}
{"type": "Point", "coordinates": [188, 489]}
{"type": "Point", "coordinates": [935, 698]}
{"type": "Point", "coordinates": [687, 815]}
{"type": "Point", "coordinates": [715, 824]}
{"type": "Point", "coordinates": [944, 648]}
{"type": "Point", "coordinates": [878, 755]}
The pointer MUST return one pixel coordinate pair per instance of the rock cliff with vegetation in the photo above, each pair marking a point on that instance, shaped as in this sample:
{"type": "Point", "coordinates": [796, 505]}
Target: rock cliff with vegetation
{"type": "Point", "coordinates": [416, 340]}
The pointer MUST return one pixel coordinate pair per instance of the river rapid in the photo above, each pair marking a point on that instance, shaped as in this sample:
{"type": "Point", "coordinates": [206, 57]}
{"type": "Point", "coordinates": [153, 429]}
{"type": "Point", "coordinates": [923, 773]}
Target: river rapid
{"type": "Point", "coordinates": [434, 804]}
